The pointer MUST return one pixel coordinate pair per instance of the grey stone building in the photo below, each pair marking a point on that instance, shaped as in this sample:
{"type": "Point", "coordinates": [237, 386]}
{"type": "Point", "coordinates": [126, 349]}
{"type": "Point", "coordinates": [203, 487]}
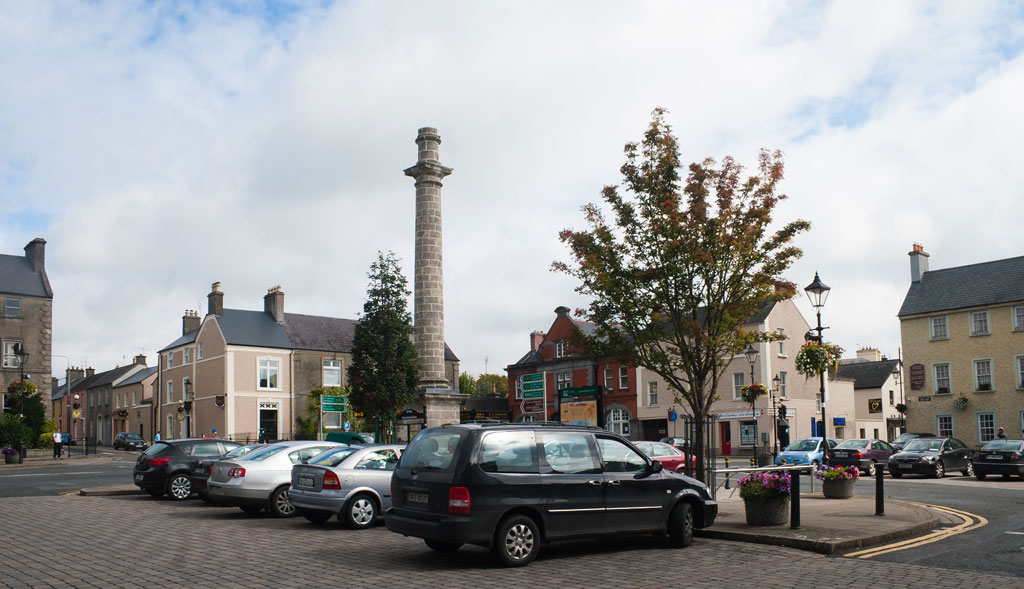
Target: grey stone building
{"type": "Point", "coordinates": [26, 318]}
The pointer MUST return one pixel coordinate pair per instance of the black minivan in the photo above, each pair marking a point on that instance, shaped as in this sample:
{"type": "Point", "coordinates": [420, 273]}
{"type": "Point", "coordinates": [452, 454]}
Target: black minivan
{"type": "Point", "coordinates": [512, 486]}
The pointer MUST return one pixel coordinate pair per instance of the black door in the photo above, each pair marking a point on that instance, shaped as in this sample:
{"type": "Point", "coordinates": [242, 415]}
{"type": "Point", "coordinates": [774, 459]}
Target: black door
{"type": "Point", "coordinates": [573, 484]}
{"type": "Point", "coordinates": [633, 496]}
{"type": "Point", "coordinates": [268, 425]}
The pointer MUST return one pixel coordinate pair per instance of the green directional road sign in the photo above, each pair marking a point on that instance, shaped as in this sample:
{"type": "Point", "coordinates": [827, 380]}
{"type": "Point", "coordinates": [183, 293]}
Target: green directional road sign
{"type": "Point", "coordinates": [334, 407]}
{"type": "Point", "coordinates": [327, 399]}
{"type": "Point", "coordinates": [572, 392]}
{"type": "Point", "coordinates": [532, 385]}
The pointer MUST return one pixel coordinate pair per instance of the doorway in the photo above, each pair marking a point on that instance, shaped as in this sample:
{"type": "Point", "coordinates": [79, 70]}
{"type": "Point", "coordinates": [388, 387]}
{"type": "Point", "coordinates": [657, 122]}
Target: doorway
{"type": "Point", "coordinates": [726, 434]}
{"type": "Point", "coordinates": [268, 422]}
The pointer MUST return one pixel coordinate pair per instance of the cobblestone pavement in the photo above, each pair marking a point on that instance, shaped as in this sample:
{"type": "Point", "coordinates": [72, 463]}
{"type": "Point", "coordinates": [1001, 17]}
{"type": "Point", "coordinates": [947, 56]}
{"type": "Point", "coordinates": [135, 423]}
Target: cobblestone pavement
{"type": "Point", "coordinates": [135, 541]}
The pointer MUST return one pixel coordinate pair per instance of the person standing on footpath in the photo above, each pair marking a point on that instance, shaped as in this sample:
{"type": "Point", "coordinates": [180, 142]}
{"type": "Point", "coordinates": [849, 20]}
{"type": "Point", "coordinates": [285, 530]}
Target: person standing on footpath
{"type": "Point", "coordinates": [1001, 434]}
{"type": "Point", "coordinates": [58, 444]}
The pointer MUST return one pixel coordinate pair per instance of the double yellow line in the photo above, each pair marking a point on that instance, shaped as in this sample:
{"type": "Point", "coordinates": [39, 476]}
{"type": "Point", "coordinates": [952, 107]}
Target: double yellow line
{"type": "Point", "coordinates": [969, 522]}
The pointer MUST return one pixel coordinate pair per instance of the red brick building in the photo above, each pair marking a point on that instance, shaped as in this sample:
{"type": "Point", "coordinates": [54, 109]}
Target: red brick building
{"type": "Point", "coordinates": [609, 385]}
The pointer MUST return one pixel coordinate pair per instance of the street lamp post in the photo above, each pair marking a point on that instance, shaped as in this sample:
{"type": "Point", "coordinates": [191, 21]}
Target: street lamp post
{"type": "Point", "coordinates": [751, 354]}
{"type": "Point", "coordinates": [22, 355]}
{"type": "Point", "coordinates": [188, 413]}
{"type": "Point", "coordinates": [818, 293]}
{"type": "Point", "coordinates": [776, 383]}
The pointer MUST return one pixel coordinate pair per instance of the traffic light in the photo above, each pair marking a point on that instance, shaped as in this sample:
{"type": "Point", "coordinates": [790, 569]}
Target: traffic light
{"type": "Point", "coordinates": [782, 411]}
{"type": "Point", "coordinates": [181, 408]}
{"type": "Point", "coordinates": [76, 405]}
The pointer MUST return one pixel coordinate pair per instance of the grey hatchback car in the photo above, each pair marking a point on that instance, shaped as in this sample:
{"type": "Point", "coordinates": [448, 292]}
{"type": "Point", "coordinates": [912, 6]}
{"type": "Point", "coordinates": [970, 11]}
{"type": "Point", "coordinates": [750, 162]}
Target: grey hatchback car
{"type": "Point", "coordinates": [352, 482]}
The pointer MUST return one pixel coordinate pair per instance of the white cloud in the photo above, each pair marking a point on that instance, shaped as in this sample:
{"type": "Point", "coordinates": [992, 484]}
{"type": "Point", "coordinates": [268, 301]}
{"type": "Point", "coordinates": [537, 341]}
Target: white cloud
{"type": "Point", "coordinates": [159, 149]}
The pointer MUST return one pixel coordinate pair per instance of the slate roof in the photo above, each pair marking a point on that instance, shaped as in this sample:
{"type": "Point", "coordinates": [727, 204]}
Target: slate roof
{"type": "Point", "coordinates": [17, 278]}
{"type": "Point", "coordinates": [313, 332]}
{"type": "Point", "coordinates": [976, 285]}
{"type": "Point", "coordinates": [107, 378]}
{"type": "Point", "coordinates": [138, 376]}
{"type": "Point", "coordinates": [868, 375]}
{"type": "Point", "coordinates": [181, 341]}
{"type": "Point", "coordinates": [60, 391]}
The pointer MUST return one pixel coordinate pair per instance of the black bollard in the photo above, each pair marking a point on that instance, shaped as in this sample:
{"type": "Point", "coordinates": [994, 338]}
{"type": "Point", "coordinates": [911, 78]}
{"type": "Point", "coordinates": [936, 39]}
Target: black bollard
{"type": "Point", "coordinates": [794, 503]}
{"type": "Point", "coordinates": [879, 492]}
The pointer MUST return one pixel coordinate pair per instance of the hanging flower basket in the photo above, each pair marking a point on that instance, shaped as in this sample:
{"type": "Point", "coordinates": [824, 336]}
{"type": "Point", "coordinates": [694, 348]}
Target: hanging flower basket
{"type": "Point", "coordinates": [960, 403]}
{"type": "Point", "coordinates": [750, 393]}
{"type": "Point", "coordinates": [814, 358]}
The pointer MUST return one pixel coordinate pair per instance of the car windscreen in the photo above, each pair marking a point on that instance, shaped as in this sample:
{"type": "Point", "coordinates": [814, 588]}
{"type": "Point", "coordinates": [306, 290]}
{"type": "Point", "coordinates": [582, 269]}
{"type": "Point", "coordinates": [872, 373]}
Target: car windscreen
{"type": "Point", "coordinates": [240, 451]}
{"type": "Point", "coordinates": [923, 445]}
{"type": "Point", "coordinates": [133, 437]}
{"type": "Point", "coordinates": [332, 457]}
{"type": "Point", "coordinates": [804, 445]}
{"type": "Point", "coordinates": [158, 448]}
{"type": "Point", "coordinates": [1004, 446]}
{"type": "Point", "coordinates": [263, 453]}
{"type": "Point", "coordinates": [433, 449]}
{"type": "Point", "coordinates": [853, 444]}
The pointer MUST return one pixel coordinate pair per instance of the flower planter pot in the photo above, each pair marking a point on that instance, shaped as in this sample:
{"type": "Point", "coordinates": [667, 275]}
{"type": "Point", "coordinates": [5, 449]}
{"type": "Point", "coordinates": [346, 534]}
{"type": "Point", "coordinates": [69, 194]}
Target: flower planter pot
{"type": "Point", "coordinates": [769, 512]}
{"type": "Point", "coordinates": [838, 488]}
{"type": "Point", "coordinates": [10, 458]}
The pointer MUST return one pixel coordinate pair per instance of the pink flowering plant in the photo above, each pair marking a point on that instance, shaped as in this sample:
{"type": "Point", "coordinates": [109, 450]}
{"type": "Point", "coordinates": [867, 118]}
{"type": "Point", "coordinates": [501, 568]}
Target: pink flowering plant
{"type": "Point", "coordinates": [837, 473]}
{"type": "Point", "coordinates": [764, 486]}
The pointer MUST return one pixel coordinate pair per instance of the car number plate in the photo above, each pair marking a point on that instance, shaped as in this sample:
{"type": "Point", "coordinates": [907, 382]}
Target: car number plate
{"type": "Point", "coordinates": [417, 497]}
{"type": "Point", "coordinates": [995, 457]}
{"type": "Point", "coordinates": [840, 454]}
{"type": "Point", "coordinates": [905, 465]}
{"type": "Point", "coordinates": [305, 481]}
{"type": "Point", "coordinates": [138, 477]}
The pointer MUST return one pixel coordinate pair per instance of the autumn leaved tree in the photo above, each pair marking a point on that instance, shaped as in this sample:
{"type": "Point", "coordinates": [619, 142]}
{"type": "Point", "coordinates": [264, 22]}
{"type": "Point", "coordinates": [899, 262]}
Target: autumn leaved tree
{"type": "Point", "coordinates": [681, 264]}
{"type": "Point", "coordinates": [383, 372]}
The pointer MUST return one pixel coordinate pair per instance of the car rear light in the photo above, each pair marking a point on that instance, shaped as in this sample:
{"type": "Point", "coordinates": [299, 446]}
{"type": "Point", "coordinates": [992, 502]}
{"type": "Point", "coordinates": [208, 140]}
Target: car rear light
{"type": "Point", "coordinates": [856, 455]}
{"type": "Point", "coordinates": [977, 456]}
{"type": "Point", "coordinates": [1015, 456]}
{"type": "Point", "coordinates": [236, 473]}
{"type": "Point", "coordinates": [331, 481]}
{"type": "Point", "coordinates": [458, 500]}
{"type": "Point", "coordinates": [159, 461]}
{"type": "Point", "coordinates": [210, 470]}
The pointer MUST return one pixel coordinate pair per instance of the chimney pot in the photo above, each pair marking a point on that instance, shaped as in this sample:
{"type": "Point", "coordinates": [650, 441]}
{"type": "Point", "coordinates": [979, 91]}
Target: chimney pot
{"type": "Point", "coordinates": [535, 340]}
{"type": "Point", "coordinates": [215, 300]}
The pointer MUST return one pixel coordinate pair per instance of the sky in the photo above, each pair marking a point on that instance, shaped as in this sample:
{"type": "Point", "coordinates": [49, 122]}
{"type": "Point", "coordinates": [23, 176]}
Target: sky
{"type": "Point", "coordinates": [159, 147]}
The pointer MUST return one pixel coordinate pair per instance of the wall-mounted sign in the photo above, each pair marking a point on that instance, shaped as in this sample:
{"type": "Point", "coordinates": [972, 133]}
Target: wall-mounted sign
{"type": "Point", "coordinates": [747, 434]}
{"type": "Point", "coordinates": [218, 400]}
{"type": "Point", "coordinates": [580, 412]}
{"type": "Point", "coordinates": [737, 415]}
{"type": "Point", "coordinates": [874, 405]}
{"type": "Point", "coordinates": [916, 377]}
{"type": "Point", "coordinates": [924, 399]}
{"type": "Point", "coordinates": [573, 392]}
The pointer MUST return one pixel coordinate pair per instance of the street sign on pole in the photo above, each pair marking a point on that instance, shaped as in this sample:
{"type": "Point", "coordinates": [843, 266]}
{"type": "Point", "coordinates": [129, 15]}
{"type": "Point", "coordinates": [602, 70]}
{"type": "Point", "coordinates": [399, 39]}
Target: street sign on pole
{"type": "Point", "coordinates": [531, 385]}
{"type": "Point", "coordinates": [327, 399]}
{"type": "Point", "coordinates": [335, 408]}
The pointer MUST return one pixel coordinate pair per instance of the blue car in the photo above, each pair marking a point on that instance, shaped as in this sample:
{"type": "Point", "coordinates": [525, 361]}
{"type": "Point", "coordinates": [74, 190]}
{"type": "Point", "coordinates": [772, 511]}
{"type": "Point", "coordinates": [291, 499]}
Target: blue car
{"type": "Point", "coordinates": [803, 451]}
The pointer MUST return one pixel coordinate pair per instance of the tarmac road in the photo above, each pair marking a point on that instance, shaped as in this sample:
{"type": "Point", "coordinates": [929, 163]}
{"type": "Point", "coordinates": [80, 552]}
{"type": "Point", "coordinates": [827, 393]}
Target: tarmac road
{"type": "Point", "coordinates": [55, 479]}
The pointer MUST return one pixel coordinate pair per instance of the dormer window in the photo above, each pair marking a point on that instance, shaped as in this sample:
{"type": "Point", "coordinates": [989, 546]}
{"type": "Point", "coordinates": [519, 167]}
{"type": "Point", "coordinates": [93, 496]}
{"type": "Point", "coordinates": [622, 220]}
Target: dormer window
{"type": "Point", "coordinates": [561, 349]}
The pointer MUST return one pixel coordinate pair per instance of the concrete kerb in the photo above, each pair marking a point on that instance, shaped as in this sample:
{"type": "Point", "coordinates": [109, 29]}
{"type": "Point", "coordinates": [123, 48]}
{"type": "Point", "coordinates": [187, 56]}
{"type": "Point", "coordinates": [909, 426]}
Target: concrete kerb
{"type": "Point", "coordinates": [110, 490]}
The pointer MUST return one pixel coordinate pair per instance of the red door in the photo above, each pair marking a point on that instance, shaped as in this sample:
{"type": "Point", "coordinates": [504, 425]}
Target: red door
{"type": "Point", "coordinates": [726, 439]}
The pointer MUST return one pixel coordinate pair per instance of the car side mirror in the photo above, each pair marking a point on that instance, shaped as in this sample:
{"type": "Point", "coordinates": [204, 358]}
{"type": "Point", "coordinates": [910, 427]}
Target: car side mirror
{"type": "Point", "coordinates": [656, 466]}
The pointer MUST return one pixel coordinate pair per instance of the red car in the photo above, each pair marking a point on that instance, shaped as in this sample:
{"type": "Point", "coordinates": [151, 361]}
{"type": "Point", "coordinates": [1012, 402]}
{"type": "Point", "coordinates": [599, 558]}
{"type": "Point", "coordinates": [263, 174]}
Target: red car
{"type": "Point", "coordinates": [670, 457]}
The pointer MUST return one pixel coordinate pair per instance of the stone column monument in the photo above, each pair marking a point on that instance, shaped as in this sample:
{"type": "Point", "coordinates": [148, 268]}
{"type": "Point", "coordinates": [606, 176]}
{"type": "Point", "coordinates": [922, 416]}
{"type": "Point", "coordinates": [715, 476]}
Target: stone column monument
{"type": "Point", "coordinates": [428, 286]}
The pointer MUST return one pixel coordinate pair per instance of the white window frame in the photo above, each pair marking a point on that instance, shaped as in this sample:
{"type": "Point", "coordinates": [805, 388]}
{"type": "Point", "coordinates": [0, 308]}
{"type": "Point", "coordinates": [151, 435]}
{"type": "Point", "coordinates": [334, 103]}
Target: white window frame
{"type": "Point", "coordinates": [268, 363]}
{"type": "Point", "coordinates": [980, 314]}
{"type": "Point", "coordinates": [948, 378]}
{"type": "Point", "coordinates": [10, 359]}
{"type": "Point", "coordinates": [990, 429]}
{"type": "Point", "coordinates": [170, 359]}
{"type": "Point", "coordinates": [781, 342]}
{"type": "Point", "coordinates": [332, 367]}
{"type": "Point", "coordinates": [739, 380]}
{"type": "Point", "coordinates": [617, 419]}
{"type": "Point", "coordinates": [609, 379]}
{"type": "Point", "coordinates": [623, 377]}
{"type": "Point", "coordinates": [945, 327]}
{"type": "Point", "coordinates": [199, 351]}
{"type": "Point", "coordinates": [1020, 372]}
{"type": "Point", "coordinates": [561, 348]}
{"type": "Point", "coordinates": [519, 387]}
{"type": "Point", "coordinates": [1017, 317]}
{"type": "Point", "coordinates": [135, 399]}
{"type": "Point", "coordinates": [783, 382]}
{"type": "Point", "coordinates": [652, 393]}
{"type": "Point", "coordinates": [938, 425]}
{"type": "Point", "coordinates": [186, 355]}
{"type": "Point", "coordinates": [170, 391]}
{"type": "Point", "coordinates": [332, 420]}
{"type": "Point", "coordinates": [8, 306]}
{"type": "Point", "coordinates": [184, 391]}
{"type": "Point", "coordinates": [991, 375]}
{"type": "Point", "coordinates": [563, 380]}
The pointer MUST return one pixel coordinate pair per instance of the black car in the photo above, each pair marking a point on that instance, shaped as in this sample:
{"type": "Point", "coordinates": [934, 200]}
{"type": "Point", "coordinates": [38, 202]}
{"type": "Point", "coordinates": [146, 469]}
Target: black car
{"type": "Point", "coordinates": [1002, 457]}
{"type": "Point", "coordinates": [129, 441]}
{"type": "Point", "coordinates": [902, 439]}
{"type": "Point", "coordinates": [166, 467]}
{"type": "Point", "coordinates": [933, 457]}
{"type": "Point", "coordinates": [510, 487]}
{"type": "Point", "coordinates": [202, 467]}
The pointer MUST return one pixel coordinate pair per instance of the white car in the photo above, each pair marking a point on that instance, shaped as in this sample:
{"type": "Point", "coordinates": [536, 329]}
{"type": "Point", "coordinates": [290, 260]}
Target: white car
{"type": "Point", "coordinates": [260, 480]}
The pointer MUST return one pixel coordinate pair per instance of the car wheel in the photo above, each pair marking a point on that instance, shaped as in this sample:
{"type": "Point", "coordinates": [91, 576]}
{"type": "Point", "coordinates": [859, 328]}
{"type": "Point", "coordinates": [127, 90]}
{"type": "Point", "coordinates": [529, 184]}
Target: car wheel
{"type": "Point", "coordinates": [979, 475]}
{"type": "Point", "coordinates": [443, 546]}
{"type": "Point", "coordinates": [1006, 477]}
{"type": "Point", "coordinates": [895, 473]}
{"type": "Point", "coordinates": [316, 516]}
{"type": "Point", "coordinates": [361, 512]}
{"type": "Point", "coordinates": [517, 541]}
{"type": "Point", "coordinates": [280, 505]}
{"type": "Point", "coordinates": [940, 470]}
{"type": "Point", "coordinates": [872, 469]}
{"type": "Point", "coordinates": [969, 471]}
{"type": "Point", "coordinates": [680, 525]}
{"type": "Point", "coordinates": [179, 487]}
{"type": "Point", "coordinates": [251, 509]}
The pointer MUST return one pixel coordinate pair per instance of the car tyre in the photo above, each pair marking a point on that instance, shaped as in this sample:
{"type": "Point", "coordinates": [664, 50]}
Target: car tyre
{"type": "Point", "coordinates": [1006, 477]}
{"type": "Point", "coordinates": [517, 541]}
{"type": "Point", "coordinates": [940, 470]}
{"type": "Point", "coordinates": [969, 471]}
{"type": "Point", "coordinates": [361, 512]}
{"type": "Point", "coordinates": [680, 525]}
{"type": "Point", "coordinates": [280, 505]}
{"type": "Point", "coordinates": [315, 516]}
{"type": "Point", "coordinates": [445, 547]}
{"type": "Point", "coordinates": [872, 469]}
{"type": "Point", "coordinates": [979, 475]}
{"type": "Point", "coordinates": [250, 509]}
{"type": "Point", "coordinates": [179, 487]}
{"type": "Point", "coordinates": [895, 473]}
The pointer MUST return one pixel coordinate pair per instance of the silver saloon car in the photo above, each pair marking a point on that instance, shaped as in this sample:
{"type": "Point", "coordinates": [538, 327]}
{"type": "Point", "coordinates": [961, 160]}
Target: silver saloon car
{"type": "Point", "coordinates": [260, 480]}
{"type": "Point", "coordinates": [353, 483]}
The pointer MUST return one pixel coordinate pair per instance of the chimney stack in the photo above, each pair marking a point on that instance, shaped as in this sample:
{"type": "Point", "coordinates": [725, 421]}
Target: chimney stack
{"type": "Point", "coordinates": [89, 372]}
{"type": "Point", "coordinates": [140, 359]}
{"type": "Point", "coordinates": [870, 354]}
{"type": "Point", "coordinates": [535, 340]}
{"type": "Point", "coordinates": [190, 321]}
{"type": "Point", "coordinates": [918, 262]}
{"type": "Point", "coordinates": [273, 303]}
{"type": "Point", "coordinates": [76, 373]}
{"type": "Point", "coordinates": [215, 301]}
{"type": "Point", "coordinates": [35, 251]}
